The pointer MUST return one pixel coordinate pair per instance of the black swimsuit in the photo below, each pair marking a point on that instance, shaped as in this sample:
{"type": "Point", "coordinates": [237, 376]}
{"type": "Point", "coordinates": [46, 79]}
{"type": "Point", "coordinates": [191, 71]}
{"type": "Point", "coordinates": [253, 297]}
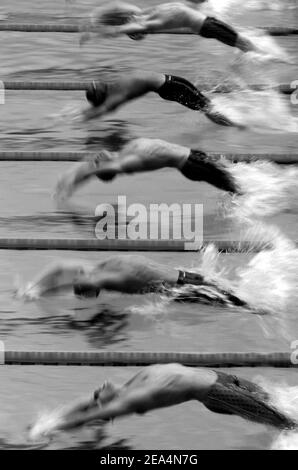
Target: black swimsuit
{"type": "Point", "coordinates": [182, 91]}
{"type": "Point", "coordinates": [216, 29]}
{"type": "Point", "coordinates": [195, 279]}
{"type": "Point", "coordinates": [202, 167]}
{"type": "Point", "coordinates": [236, 396]}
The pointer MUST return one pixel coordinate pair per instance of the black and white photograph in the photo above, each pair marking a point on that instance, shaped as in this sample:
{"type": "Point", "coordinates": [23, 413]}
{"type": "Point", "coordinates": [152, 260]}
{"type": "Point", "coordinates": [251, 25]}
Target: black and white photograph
{"type": "Point", "coordinates": [148, 228]}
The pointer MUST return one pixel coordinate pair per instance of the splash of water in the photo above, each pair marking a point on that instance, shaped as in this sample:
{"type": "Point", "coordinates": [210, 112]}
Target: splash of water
{"type": "Point", "coordinates": [220, 8]}
{"type": "Point", "coordinates": [28, 292]}
{"type": "Point", "coordinates": [46, 424]}
{"type": "Point", "coordinates": [284, 398]}
{"type": "Point", "coordinates": [275, 5]}
{"type": "Point", "coordinates": [286, 441]}
{"type": "Point", "coordinates": [226, 8]}
{"type": "Point", "coordinates": [150, 307]}
{"type": "Point", "coordinates": [267, 189]}
{"type": "Point", "coordinates": [268, 283]}
{"type": "Point", "coordinates": [260, 111]}
{"type": "Point", "coordinates": [69, 113]}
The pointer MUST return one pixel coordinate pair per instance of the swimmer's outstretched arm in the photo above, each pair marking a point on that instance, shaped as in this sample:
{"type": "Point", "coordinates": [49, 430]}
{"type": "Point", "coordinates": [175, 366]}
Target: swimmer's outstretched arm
{"type": "Point", "coordinates": [191, 20]}
{"type": "Point", "coordinates": [125, 89]}
{"type": "Point", "coordinates": [120, 406]}
{"type": "Point", "coordinates": [106, 171]}
{"type": "Point", "coordinates": [80, 174]}
{"type": "Point", "coordinates": [59, 276]}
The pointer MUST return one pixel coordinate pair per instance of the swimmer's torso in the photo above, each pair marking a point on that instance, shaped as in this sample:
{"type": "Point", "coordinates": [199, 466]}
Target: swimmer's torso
{"type": "Point", "coordinates": [173, 15]}
{"type": "Point", "coordinates": [136, 272]}
{"type": "Point", "coordinates": [169, 384]}
{"type": "Point", "coordinates": [128, 87]}
{"type": "Point", "coordinates": [155, 151]}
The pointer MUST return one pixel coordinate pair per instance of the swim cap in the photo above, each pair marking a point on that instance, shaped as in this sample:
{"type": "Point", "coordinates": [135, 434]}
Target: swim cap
{"type": "Point", "coordinates": [97, 93]}
{"type": "Point", "coordinates": [86, 291]}
{"type": "Point", "coordinates": [118, 14]}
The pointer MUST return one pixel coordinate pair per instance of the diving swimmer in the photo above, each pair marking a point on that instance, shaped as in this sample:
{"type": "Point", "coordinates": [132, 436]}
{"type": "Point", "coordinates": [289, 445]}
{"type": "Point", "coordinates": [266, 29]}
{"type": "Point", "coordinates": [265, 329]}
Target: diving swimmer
{"type": "Point", "coordinates": [106, 97]}
{"type": "Point", "coordinates": [142, 155]}
{"type": "Point", "coordinates": [129, 274]}
{"type": "Point", "coordinates": [124, 18]}
{"type": "Point", "coordinates": [165, 385]}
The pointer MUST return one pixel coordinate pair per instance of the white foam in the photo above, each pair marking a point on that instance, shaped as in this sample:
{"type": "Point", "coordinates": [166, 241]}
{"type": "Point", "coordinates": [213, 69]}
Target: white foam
{"type": "Point", "coordinates": [266, 188]}
{"type": "Point", "coordinates": [47, 423]}
{"type": "Point", "coordinates": [259, 111]}
{"type": "Point", "coordinates": [268, 282]}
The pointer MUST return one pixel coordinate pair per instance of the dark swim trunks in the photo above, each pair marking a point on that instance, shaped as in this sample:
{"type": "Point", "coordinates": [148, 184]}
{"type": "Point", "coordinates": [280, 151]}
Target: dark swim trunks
{"type": "Point", "coordinates": [182, 91]}
{"type": "Point", "coordinates": [216, 29]}
{"type": "Point", "coordinates": [218, 295]}
{"type": "Point", "coordinates": [202, 167]}
{"type": "Point", "coordinates": [235, 396]}
{"type": "Point", "coordinates": [85, 291]}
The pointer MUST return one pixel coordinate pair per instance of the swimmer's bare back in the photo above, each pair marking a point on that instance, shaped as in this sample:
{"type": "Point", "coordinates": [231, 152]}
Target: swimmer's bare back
{"type": "Point", "coordinates": [173, 16]}
{"type": "Point", "coordinates": [164, 17]}
{"type": "Point", "coordinates": [171, 384]}
{"type": "Point", "coordinates": [154, 387]}
{"type": "Point", "coordinates": [165, 385]}
{"type": "Point", "coordinates": [140, 155]}
{"type": "Point", "coordinates": [134, 272]}
{"type": "Point", "coordinates": [127, 273]}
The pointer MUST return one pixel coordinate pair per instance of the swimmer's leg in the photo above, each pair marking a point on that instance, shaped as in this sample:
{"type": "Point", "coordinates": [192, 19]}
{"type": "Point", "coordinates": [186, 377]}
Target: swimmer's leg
{"type": "Point", "coordinates": [202, 167]}
{"type": "Point", "coordinates": [216, 29]}
{"type": "Point", "coordinates": [237, 396]}
{"type": "Point", "coordinates": [183, 92]}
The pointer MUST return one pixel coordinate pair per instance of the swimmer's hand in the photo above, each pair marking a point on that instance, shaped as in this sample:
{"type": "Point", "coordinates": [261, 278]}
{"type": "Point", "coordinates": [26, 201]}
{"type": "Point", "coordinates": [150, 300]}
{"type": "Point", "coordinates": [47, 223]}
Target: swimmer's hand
{"type": "Point", "coordinates": [69, 113]}
{"type": "Point", "coordinates": [137, 36]}
{"type": "Point", "coordinates": [46, 425]}
{"type": "Point", "coordinates": [81, 113]}
{"type": "Point", "coordinates": [87, 114]}
{"type": "Point", "coordinates": [104, 32]}
{"type": "Point", "coordinates": [221, 119]}
{"type": "Point", "coordinates": [68, 417]}
{"type": "Point", "coordinates": [29, 292]}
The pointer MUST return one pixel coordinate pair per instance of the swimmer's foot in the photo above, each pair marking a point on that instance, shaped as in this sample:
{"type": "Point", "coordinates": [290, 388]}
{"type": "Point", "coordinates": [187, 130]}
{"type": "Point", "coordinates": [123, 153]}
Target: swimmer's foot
{"type": "Point", "coordinates": [276, 56]}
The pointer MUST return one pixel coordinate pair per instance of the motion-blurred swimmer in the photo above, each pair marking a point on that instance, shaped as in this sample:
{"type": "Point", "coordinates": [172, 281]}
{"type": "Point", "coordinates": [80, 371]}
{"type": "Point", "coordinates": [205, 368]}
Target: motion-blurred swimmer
{"type": "Point", "coordinates": [126, 274]}
{"type": "Point", "coordinates": [160, 386]}
{"type": "Point", "coordinates": [106, 97]}
{"type": "Point", "coordinates": [142, 155]}
{"type": "Point", "coordinates": [124, 18]}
